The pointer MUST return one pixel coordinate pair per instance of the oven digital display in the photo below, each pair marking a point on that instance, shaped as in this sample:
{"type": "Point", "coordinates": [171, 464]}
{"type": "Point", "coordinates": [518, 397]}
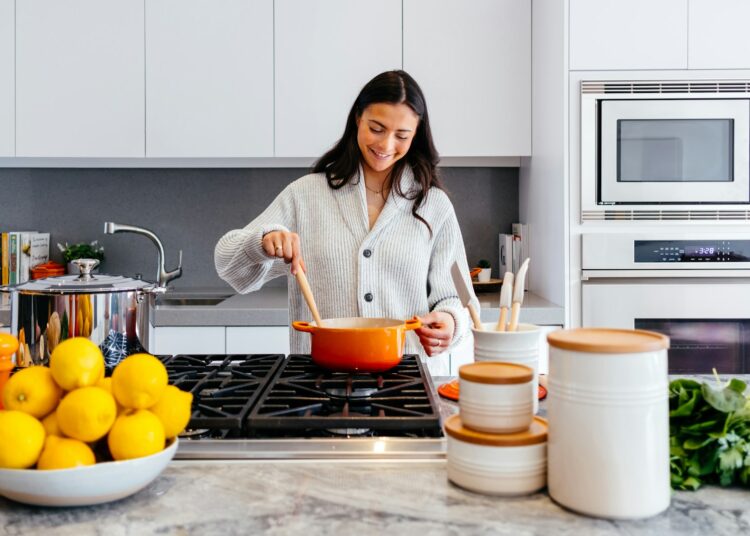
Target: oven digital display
{"type": "Point", "coordinates": [698, 251]}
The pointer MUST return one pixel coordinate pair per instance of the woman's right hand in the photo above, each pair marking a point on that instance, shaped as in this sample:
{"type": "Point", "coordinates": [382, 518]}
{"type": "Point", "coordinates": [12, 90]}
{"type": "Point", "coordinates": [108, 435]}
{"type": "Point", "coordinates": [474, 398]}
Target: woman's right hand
{"type": "Point", "coordinates": [283, 245]}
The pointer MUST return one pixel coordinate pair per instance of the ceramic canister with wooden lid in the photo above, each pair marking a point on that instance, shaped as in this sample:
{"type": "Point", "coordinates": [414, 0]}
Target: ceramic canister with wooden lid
{"type": "Point", "coordinates": [497, 464]}
{"type": "Point", "coordinates": [608, 414]}
{"type": "Point", "coordinates": [496, 397]}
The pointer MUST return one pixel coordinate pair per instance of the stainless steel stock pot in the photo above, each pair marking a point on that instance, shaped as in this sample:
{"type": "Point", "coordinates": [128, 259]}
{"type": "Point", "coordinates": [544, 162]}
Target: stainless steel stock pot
{"type": "Point", "coordinates": [112, 311]}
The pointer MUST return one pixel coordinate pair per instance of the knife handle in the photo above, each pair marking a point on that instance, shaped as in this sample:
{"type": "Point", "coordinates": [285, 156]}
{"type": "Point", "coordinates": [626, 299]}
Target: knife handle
{"type": "Point", "coordinates": [514, 311]}
{"type": "Point", "coordinates": [475, 317]}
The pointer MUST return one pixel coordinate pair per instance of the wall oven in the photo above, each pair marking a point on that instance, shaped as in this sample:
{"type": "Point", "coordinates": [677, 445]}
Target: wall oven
{"type": "Point", "coordinates": [665, 148]}
{"type": "Point", "coordinates": [693, 287]}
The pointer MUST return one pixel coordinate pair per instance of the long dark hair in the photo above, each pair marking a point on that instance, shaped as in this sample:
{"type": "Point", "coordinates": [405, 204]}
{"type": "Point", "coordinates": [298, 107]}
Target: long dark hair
{"type": "Point", "coordinates": [340, 164]}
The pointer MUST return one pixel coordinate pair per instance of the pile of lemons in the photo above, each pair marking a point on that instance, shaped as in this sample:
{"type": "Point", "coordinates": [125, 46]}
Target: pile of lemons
{"type": "Point", "coordinates": [54, 416]}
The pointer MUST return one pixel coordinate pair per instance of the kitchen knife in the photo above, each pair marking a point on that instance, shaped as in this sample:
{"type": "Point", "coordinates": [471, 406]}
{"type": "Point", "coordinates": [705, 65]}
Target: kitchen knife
{"type": "Point", "coordinates": [506, 295]}
{"type": "Point", "coordinates": [464, 294]}
{"type": "Point", "coordinates": [518, 285]}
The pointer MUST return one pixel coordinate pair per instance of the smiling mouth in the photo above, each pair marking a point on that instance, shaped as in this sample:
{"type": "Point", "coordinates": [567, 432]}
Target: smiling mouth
{"type": "Point", "coordinates": [380, 156]}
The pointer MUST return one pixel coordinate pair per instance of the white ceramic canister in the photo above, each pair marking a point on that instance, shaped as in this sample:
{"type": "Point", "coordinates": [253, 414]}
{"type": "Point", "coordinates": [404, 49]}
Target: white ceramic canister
{"type": "Point", "coordinates": [497, 398]}
{"type": "Point", "coordinates": [521, 346]}
{"type": "Point", "coordinates": [608, 414]}
{"type": "Point", "coordinates": [497, 464]}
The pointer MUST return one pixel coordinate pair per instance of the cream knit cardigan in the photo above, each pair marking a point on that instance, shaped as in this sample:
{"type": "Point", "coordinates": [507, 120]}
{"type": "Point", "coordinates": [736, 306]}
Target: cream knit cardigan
{"type": "Point", "coordinates": [397, 264]}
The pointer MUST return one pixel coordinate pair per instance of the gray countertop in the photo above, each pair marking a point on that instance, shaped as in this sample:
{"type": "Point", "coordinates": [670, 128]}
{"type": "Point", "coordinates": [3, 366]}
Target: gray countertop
{"type": "Point", "coordinates": [269, 307]}
{"type": "Point", "coordinates": [245, 497]}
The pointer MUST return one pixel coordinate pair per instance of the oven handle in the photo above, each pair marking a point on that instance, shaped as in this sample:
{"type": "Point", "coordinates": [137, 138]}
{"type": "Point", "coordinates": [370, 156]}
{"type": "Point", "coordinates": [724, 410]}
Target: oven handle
{"type": "Point", "coordinates": [655, 274]}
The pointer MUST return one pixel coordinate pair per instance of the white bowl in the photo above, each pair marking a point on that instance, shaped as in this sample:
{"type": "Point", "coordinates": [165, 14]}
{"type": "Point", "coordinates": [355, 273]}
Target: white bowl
{"type": "Point", "coordinates": [91, 484]}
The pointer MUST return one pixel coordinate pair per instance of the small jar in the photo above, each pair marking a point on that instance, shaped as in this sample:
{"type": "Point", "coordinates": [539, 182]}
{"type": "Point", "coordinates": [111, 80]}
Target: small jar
{"type": "Point", "coordinates": [496, 398]}
{"type": "Point", "coordinates": [608, 411]}
{"type": "Point", "coordinates": [497, 464]}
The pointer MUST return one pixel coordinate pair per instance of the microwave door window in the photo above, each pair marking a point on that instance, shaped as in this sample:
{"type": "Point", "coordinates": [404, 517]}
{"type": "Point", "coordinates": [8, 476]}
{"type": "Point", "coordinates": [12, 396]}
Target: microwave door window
{"type": "Point", "coordinates": [675, 150]}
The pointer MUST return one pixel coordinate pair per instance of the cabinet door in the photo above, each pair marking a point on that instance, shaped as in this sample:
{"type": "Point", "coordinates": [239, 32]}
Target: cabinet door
{"type": "Point", "coordinates": [7, 79]}
{"type": "Point", "coordinates": [258, 340]}
{"type": "Point", "coordinates": [209, 78]}
{"type": "Point", "coordinates": [188, 340]}
{"type": "Point", "coordinates": [79, 78]}
{"type": "Point", "coordinates": [325, 52]}
{"type": "Point", "coordinates": [628, 34]}
{"type": "Point", "coordinates": [472, 59]}
{"type": "Point", "coordinates": [718, 34]}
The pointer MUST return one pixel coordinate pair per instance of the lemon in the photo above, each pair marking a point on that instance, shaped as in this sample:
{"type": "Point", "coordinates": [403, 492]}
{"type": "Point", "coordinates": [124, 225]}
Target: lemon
{"type": "Point", "coordinates": [51, 426]}
{"type": "Point", "coordinates": [136, 433]}
{"type": "Point", "coordinates": [106, 384]}
{"type": "Point", "coordinates": [173, 410]}
{"type": "Point", "coordinates": [33, 391]}
{"type": "Point", "coordinates": [139, 381]}
{"type": "Point", "coordinates": [63, 453]}
{"type": "Point", "coordinates": [21, 439]}
{"type": "Point", "coordinates": [86, 414]}
{"type": "Point", "coordinates": [76, 362]}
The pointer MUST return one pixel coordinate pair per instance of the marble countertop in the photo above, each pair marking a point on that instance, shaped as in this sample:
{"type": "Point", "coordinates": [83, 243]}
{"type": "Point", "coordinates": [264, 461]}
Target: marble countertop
{"type": "Point", "coordinates": [311, 498]}
{"type": "Point", "coordinates": [269, 307]}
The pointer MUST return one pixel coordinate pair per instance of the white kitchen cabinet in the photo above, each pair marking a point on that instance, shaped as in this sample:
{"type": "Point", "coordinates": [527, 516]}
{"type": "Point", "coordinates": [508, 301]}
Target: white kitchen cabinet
{"type": "Point", "coordinates": [7, 78]}
{"type": "Point", "coordinates": [209, 78]}
{"type": "Point", "coordinates": [80, 78]}
{"type": "Point", "coordinates": [718, 36]}
{"type": "Point", "coordinates": [472, 60]}
{"type": "Point", "coordinates": [325, 52]}
{"type": "Point", "coordinates": [257, 340]}
{"type": "Point", "coordinates": [628, 34]}
{"type": "Point", "coordinates": [188, 340]}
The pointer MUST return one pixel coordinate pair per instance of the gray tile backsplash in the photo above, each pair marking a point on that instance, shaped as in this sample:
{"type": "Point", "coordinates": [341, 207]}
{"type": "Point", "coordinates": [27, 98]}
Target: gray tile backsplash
{"type": "Point", "coordinates": [190, 209]}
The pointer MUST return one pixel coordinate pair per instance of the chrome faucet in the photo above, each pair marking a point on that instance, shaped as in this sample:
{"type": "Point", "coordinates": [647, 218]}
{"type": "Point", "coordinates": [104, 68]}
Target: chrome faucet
{"type": "Point", "coordinates": [163, 277]}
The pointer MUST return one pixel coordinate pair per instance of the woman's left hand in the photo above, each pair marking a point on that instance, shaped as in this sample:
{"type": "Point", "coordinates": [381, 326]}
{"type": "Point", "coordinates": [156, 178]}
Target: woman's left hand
{"type": "Point", "coordinates": [436, 332]}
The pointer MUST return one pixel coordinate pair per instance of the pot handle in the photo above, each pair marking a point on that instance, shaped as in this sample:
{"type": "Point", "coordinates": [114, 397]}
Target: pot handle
{"type": "Point", "coordinates": [414, 323]}
{"type": "Point", "coordinates": [303, 326]}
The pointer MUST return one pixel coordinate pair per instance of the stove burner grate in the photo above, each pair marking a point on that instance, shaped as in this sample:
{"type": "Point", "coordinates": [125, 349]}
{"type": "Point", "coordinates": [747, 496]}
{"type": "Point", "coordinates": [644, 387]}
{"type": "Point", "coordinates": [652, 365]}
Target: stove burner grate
{"type": "Point", "coordinates": [224, 387]}
{"type": "Point", "coordinates": [305, 398]}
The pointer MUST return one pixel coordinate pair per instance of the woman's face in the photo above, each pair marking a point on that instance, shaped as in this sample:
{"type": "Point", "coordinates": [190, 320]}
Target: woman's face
{"type": "Point", "coordinates": [384, 134]}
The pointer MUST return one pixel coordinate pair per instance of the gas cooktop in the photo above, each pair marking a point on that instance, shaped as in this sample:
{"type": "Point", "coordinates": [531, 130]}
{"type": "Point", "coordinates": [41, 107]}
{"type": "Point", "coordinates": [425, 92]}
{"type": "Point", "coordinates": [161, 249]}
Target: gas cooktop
{"type": "Point", "coordinates": [276, 406]}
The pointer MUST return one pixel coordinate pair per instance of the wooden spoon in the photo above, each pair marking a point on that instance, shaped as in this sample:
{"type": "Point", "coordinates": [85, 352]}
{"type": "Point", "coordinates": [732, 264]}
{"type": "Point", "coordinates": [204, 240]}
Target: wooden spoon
{"type": "Point", "coordinates": [308, 295]}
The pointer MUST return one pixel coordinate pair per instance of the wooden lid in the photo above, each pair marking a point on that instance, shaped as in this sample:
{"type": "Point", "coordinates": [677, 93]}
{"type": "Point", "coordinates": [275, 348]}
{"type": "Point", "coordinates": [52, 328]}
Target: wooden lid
{"type": "Point", "coordinates": [537, 433]}
{"type": "Point", "coordinates": [608, 341]}
{"type": "Point", "coordinates": [495, 373]}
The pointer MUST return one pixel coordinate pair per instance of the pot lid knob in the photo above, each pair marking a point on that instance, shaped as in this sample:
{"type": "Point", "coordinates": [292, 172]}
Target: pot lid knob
{"type": "Point", "coordinates": [85, 266]}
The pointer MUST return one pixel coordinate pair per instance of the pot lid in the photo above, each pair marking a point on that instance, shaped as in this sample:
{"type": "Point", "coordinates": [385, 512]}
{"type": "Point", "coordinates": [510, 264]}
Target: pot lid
{"type": "Point", "coordinates": [85, 283]}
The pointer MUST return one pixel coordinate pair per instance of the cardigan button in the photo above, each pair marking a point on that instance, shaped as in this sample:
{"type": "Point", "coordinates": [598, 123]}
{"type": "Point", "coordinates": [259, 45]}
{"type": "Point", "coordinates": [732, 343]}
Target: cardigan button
{"type": "Point", "coordinates": [368, 297]}
{"type": "Point", "coordinates": [367, 253]}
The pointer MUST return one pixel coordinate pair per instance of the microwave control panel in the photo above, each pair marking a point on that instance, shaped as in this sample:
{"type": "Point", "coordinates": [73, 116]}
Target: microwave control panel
{"type": "Point", "coordinates": [650, 251]}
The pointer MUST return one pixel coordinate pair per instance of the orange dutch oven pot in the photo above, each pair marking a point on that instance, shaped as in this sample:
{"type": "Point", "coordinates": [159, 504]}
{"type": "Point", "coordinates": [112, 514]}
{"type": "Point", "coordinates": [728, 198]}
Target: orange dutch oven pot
{"type": "Point", "coordinates": [358, 344]}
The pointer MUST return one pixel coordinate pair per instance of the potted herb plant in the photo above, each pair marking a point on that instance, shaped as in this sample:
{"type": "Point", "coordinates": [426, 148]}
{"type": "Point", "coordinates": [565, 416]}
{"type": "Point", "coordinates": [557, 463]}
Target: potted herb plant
{"type": "Point", "coordinates": [70, 252]}
{"type": "Point", "coordinates": [484, 275]}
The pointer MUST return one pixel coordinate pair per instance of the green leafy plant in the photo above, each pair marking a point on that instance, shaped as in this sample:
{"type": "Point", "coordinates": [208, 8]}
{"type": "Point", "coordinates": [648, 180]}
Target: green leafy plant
{"type": "Point", "coordinates": [709, 433]}
{"type": "Point", "coordinates": [81, 251]}
{"type": "Point", "coordinates": [484, 263]}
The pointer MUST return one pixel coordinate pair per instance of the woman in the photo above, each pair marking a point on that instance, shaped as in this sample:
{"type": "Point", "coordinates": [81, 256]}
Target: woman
{"type": "Point", "coordinates": [371, 226]}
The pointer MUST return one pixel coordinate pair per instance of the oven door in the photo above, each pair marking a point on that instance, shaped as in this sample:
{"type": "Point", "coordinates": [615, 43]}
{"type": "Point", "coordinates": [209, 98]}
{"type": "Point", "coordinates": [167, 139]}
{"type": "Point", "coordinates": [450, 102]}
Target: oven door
{"type": "Point", "coordinates": [674, 151]}
{"type": "Point", "coordinates": [707, 320]}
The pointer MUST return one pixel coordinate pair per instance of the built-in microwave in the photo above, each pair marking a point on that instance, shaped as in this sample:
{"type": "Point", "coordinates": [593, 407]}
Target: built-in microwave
{"type": "Point", "coordinates": [665, 150]}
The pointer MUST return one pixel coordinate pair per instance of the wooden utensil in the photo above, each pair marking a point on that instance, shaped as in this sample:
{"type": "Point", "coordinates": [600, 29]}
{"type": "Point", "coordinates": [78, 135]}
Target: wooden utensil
{"type": "Point", "coordinates": [506, 293]}
{"type": "Point", "coordinates": [464, 294]}
{"type": "Point", "coordinates": [308, 295]}
{"type": "Point", "coordinates": [518, 285]}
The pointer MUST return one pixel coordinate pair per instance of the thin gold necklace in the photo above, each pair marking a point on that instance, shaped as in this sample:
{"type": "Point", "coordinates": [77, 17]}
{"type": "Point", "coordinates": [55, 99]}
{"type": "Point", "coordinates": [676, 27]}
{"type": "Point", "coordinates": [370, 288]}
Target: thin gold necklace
{"type": "Point", "coordinates": [373, 191]}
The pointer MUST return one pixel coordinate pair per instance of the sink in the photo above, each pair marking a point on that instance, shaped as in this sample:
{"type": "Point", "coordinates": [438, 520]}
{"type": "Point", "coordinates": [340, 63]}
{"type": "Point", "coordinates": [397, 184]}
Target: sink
{"type": "Point", "coordinates": [190, 301]}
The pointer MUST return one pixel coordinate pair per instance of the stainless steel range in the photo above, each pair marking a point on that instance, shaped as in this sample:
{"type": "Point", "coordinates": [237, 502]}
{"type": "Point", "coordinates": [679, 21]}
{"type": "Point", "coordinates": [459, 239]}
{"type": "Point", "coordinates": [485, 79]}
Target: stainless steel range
{"type": "Point", "coordinates": [271, 406]}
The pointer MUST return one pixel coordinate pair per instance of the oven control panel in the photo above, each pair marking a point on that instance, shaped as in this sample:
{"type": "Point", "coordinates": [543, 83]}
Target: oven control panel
{"type": "Point", "coordinates": [712, 251]}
